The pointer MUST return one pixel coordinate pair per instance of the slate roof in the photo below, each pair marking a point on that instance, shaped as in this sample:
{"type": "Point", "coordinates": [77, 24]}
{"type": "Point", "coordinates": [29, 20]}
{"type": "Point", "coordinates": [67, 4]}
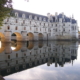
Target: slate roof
{"type": "Point", "coordinates": [27, 14]}
{"type": "Point", "coordinates": [33, 15]}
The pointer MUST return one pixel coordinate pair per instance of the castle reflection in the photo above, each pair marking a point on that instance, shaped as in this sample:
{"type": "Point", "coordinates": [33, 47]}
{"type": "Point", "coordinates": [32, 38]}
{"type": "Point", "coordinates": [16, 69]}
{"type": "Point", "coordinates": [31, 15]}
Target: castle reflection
{"type": "Point", "coordinates": [18, 56]}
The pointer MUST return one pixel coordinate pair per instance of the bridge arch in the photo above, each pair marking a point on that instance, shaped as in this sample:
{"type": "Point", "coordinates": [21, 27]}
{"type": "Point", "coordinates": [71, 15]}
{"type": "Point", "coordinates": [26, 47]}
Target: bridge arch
{"type": "Point", "coordinates": [2, 47]}
{"type": "Point", "coordinates": [30, 44]}
{"type": "Point", "coordinates": [16, 45]}
{"type": "Point", "coordinates": [40, 36]}
{"type": "Point", "coordinates": [16, 36]}
{"type": "Point", "coordinates": [40, 44]}
{"type": "Point", "coordinates": [30, 36]}
{"type": "Point", "coordinates": [2, 37]}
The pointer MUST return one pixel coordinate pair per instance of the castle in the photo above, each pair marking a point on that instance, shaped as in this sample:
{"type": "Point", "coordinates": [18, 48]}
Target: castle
{"type": "Point", "coordinates": [25, 26]}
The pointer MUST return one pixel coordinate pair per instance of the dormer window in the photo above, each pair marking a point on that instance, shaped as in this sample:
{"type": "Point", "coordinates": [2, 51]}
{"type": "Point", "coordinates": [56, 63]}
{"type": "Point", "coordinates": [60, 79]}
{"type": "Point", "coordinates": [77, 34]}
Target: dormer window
{"type": "Point", "coordinates": [40, 18]}
{"type": "Point", "coordinates": [16, 14]}
{"type": "Point", "coordinates": [44, 19]}
{"type": "Point", "coordinates": [30, 16]}
{"type": "Point", "coordinates": [23, 15]}
{"type": "Point", "coordinates": [35, 17]}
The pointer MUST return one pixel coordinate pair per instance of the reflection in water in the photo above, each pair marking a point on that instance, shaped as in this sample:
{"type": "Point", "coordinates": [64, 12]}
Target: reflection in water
{"type": "Point", "coordinates": [0, 44]}
{"type": "Point", "coordinates": [16, 46]}
{"type": "Point", "coordinates": [30, 54]}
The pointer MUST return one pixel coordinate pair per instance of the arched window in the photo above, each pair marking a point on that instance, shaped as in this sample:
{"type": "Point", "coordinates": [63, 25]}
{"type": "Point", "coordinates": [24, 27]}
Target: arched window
{"type": "Point", "coordinates": [16, 28]}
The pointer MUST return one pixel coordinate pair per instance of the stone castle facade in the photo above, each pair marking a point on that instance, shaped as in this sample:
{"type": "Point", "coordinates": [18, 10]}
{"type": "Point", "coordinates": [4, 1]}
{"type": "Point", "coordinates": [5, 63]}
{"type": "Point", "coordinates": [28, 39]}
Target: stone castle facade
{"type": "Point", "coordinates": [26, 26]}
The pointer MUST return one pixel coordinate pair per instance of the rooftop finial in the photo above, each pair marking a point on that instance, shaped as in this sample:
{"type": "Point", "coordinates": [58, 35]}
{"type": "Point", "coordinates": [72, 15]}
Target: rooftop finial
{"type": "Point", "coordinates": [72, 16]}
{"type": "Point", "coordinates": [56, 13]}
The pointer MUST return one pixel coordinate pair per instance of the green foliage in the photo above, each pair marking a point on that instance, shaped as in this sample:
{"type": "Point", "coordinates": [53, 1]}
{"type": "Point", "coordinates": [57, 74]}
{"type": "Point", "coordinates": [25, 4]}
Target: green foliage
{"type": "Point", "coordinates": [5, 8]}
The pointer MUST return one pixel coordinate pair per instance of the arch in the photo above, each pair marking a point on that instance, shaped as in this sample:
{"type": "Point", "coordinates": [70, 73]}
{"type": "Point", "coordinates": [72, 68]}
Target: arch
{"type": "Point", "coordinates": [40, 44]}
{"type": "Point", "coordinates": [40, 36]}
{"type": "Point", "coordinates": [2, 47]}
{"type": "Point", "coordinates": [17, 45]}
{"type": "Point", "coordinates": [2, 37]}
{"type": "Point", "coordinates": [16, 36]}
{"type": "Point", "coordinates": [30, 36]}
{"type": "Point", "coordinates": [30, 45]}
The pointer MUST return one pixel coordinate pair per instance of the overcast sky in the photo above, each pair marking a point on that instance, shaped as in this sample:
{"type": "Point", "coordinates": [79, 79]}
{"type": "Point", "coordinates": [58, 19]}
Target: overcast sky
{"type": "Point", "coordinates": [43, 7]}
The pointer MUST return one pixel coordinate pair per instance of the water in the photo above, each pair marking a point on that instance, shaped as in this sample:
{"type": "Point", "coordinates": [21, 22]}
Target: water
{"type": "Point", "coordinates": [43, 60]}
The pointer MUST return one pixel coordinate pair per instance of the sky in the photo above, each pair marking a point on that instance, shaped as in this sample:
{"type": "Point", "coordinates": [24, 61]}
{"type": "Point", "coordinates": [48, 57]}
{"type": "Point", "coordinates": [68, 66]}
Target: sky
{"type": "Point", "coordinates": [68, 7]}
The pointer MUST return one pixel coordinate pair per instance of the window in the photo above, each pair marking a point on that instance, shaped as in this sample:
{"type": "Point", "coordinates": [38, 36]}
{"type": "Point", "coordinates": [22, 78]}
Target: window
{"type": "Point", "coordinates": [48, 24]}
{"type": "Point", "coordinates": [35, 17]}
{"type": "Point", "coordinates": [23, 15]}
{"type": "Point", "coordinates": [56, 25]}
{"type": "Point", "coordinates": [7, 19]}
{"type": "Point", "coordinates": [56, 30]}
{"type": "Point", "coordinates": [44, 24]}
{"type": "Point", "coordinates": [23, 21]}
{"type": "Point", "coordinates": [45, 29]}
{"type": "Point", "coordinates": [16, 21]}
{"type": "Point", "coordinates": [44, 19]}
{"type": "Point", "coordinates": [72, 27]}
{"type": "Point", "coordinates": [30, 53]}
{"type": "Point", "coordinates": [24, 28]}
{"type": "Point", "coordinates": [40, 18]}
{"type": "Point", "coordinates": [49, 34]}
{"type": "Point", "coordinates": [40, 29]}
{"type": "Point", "coordinates": [24, 54]}
{"type": "Point", "coordinates": [30, 22]}
{"type": "Point", "coordinates": [16, 61]}
{"type": "Point", "coordinates": [36, 29]}
{"type": "Point", "coordinates": [63, 29]}
{"type": "Point", "coordinates": [8, 27]}
{"type": "Point", "coordinates": [63, 24]}
{"type": "Point", "coordinates": [16, 28]}
{"type": "Point", "coordinates": [16, 54]}
{"type": "Point", "coordinates": [30, 16]}
{"type": "Point", "coordinates": [8, 56]}
{"type": "Point", "coordinates": [16, 14]}
{"type": "Point", "coordinates": [40, 23]}
{"type": "Point", "coordinates": [40, 51]}
{"type": "Point", "coordinates": [30, 28]}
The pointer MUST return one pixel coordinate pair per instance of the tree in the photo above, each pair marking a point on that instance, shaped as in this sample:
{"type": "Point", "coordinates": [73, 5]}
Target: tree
{"type": "Point", "coordinates": [5, 8]}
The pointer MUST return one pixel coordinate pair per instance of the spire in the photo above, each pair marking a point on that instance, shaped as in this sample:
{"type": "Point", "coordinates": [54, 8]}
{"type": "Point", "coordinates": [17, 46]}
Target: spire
{"type": "Point", "coordinates": [72, 16]}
